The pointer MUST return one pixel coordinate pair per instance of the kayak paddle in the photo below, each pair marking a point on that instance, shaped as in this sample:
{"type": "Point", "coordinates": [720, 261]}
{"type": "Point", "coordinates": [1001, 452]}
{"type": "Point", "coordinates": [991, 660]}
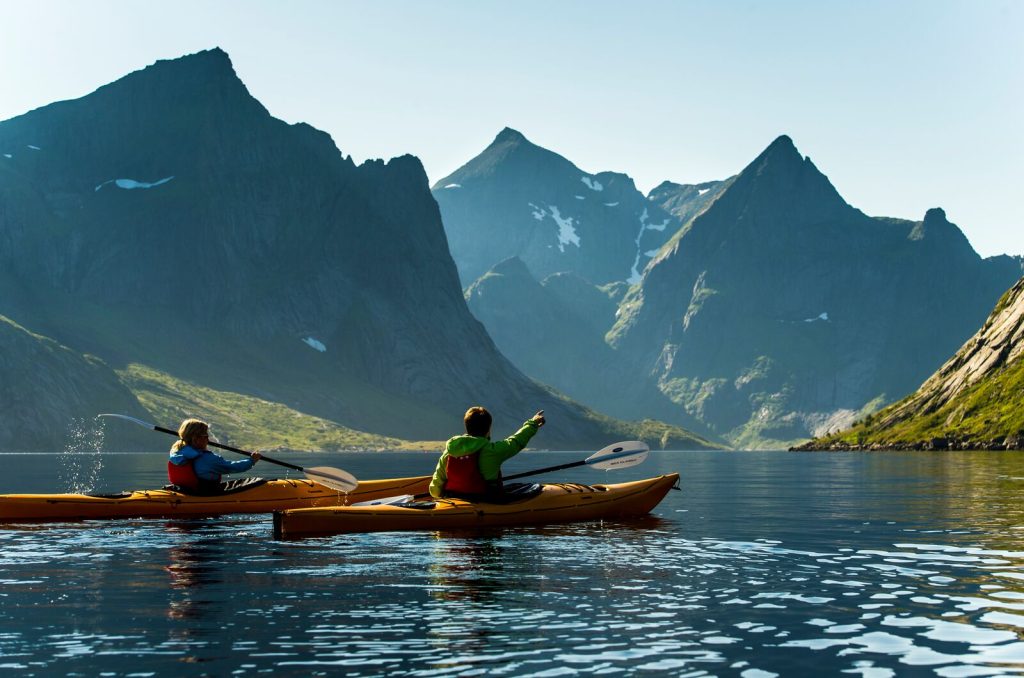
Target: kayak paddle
{"type": "Point", "coordinates": [613, 457]}
{"type": "Point", "coordinates": [334, 478]}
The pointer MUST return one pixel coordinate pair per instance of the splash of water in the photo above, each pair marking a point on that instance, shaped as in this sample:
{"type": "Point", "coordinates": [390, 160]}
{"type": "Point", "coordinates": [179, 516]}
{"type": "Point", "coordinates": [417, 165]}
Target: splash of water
{"type": "Point", "coordinates": [81, 460]}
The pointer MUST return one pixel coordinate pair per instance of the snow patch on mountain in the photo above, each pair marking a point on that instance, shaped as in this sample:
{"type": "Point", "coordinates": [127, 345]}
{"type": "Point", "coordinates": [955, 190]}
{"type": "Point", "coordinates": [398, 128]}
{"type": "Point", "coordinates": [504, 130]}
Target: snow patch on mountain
{"type": "Point", "coordinates": [634, 271]}
{"type": "Point", "coordinates": [453, 186]}
{"type": "Point", "coordinates": [34, 148]}
{"type": "Point", "coordinates": [610, 204]}
{"type": "Point", "coordinates": [315, 343]}
{"type": "Point", "coordinates": [567, 234]}
{"type": "Point", "coordinates": [537, 212]}
{"type": "Point", "coordinates": [656, 227]}
{"type": "Point", "coordinates": [129, 184]}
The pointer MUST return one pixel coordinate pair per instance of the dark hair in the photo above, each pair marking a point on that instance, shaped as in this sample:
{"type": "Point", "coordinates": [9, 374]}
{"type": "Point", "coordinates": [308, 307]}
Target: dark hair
{"type": "Point", "coordinates": [478, 422]}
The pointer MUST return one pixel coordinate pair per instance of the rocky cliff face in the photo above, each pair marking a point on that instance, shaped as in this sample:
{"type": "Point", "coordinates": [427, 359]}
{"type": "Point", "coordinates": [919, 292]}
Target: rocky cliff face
{"type": "Point", "coordinates": [781, 310]}
{"type": "Point", "coordinates": [555, 341]}
{"type": "Point", "coordinates": [167, 219]}
{"type": "Point", "coordinates": [974, 401]}
{"type": "Point", "coordinates": [518, 199]}
{"type": "Point", "coordinates": [685, 201]}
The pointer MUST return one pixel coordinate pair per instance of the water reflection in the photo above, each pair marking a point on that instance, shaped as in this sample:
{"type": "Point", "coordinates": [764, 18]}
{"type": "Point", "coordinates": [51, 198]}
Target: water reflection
{"type": "Point", "coordinates": [873, 565]}
{"type": "Point", "coordinates": [194, 563]}
{"type": "Point", "coordinates": [467, 569]}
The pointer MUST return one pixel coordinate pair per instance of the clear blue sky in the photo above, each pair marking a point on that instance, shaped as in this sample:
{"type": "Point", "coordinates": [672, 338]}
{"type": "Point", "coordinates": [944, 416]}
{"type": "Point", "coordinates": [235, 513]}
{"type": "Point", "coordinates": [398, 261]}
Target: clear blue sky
{"type": "Point", "coordinates": [905, 105]}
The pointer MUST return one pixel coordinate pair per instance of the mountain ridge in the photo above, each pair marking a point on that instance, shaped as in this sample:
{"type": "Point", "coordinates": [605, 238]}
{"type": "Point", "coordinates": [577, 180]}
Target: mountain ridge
{"type": "Point", "coordinates": [211, 242]}
{"type": "Point", "coordinates": [515, 198]}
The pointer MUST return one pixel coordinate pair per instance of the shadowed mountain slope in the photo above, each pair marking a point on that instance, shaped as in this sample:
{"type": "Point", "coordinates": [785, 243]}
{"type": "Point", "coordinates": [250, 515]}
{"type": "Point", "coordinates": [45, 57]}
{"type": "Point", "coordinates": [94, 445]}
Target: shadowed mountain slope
{"type": "Point", "coordinates": [169, 220]}
{"type": "Point", "coordinates": [781, 311]}
{"type": "Point", "coordinates": [518, 199]}
{"type": "Point", "coordinates": [553, 341]}
{"type": "Point", "coordinates": [50, 392]}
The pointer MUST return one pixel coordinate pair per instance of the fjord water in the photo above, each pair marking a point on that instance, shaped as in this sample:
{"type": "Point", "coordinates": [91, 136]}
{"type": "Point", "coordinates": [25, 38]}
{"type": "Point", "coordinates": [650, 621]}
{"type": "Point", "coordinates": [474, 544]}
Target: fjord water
{"type": "Point", "coordinates": [765, 563]}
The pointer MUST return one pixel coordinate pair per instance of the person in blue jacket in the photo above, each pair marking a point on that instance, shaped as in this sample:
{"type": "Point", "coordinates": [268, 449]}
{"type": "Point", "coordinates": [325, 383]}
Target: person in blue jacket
{"type": "Point", "coordinates": [196, 469]}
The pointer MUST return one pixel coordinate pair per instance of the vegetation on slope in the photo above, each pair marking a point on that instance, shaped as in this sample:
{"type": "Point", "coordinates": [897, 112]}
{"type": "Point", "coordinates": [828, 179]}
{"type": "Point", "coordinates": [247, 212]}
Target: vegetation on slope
{"type": "Point", "coordinates": [246, 421]}
{"type": "Point", "coordinates": [250, 422]}
{"type": "Point", "coordinates": [988, 415]}
{"type": "Point", "coordinates": [974, 401]}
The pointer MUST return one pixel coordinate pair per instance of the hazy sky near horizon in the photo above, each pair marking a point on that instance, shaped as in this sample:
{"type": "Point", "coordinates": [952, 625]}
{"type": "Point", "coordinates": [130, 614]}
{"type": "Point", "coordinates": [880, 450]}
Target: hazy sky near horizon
{"type": "Point", "coordinates": [904, 104]}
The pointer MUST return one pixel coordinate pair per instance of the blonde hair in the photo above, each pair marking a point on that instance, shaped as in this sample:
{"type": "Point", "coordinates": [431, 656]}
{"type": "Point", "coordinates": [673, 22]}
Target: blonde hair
{"type": "Point", "coordinates": [189, 430]}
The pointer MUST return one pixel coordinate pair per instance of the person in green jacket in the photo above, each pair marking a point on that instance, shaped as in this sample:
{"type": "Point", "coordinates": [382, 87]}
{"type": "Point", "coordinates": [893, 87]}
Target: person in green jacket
{"type": "Point", "coordinates": [470, 466]}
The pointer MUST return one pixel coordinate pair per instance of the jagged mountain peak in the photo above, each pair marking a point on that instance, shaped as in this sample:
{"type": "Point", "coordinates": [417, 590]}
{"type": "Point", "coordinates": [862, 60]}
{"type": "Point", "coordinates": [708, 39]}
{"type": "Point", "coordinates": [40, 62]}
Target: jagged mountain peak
{"type": "Point", "coordinates": [509, 135]}
{"type": "Point", "coordinates": [509, 141]}
{"type": "Point", "coordinates": [935, 215]}
{"type": "Point", "coordinates": [782, 144]}
{"type": "Point", "coordinates": [509, 153]}
{"type": "Point", "coordinates": [663, 187]}
{"type": "Point", "coordinates": [938, 229]}
{"type": "Point", "coordinates": [175, 101]}
{"type": "Point", "coordinates": [782, 156]}
{"type": "Point", "coordinates": [517, 198]}
{"type": "Point", "coordinates": [200, 74]}
{"type": "Point", "coordinates": [784, 187]}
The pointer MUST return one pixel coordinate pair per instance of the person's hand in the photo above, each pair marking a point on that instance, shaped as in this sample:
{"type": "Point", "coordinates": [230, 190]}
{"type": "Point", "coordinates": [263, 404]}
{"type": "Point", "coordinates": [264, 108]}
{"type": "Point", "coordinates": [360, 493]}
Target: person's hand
{"type": "Point", "coordinates": [256, 456]}
{"type": "Point", "coordinates": [539, 418]}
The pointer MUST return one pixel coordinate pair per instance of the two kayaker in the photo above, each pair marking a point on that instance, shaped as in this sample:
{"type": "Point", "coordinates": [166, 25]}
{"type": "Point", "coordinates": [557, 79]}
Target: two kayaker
{"type": "Point", "coordinates": [196, 469]}
{"type": "Point", "coordinates": [470, 466]}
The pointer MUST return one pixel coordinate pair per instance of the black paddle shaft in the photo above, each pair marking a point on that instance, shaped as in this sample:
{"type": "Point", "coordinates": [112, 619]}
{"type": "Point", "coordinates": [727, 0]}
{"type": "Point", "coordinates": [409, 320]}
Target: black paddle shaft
{"type": "Point", "coordinates": [545, 470]}
{"type": "Point", "coordinates": [235, 449]}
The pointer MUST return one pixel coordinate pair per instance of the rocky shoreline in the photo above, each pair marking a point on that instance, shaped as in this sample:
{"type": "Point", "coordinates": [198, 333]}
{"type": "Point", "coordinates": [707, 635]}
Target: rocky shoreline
{"type": "Point", "coordinates": [1014, 442]}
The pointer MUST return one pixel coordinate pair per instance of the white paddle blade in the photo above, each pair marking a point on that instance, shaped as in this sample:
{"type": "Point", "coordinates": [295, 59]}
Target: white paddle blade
{"type": "Point", "coordinates": [619, 455]}
{"type": "Point", "coordinates": [146, 424]}
{"type": "Point", "coordinates": [334, 478]}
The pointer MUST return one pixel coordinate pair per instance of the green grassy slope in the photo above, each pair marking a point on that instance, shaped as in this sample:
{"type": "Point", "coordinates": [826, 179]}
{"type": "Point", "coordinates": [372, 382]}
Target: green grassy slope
{"type": "Point", "coordinates": [247, 421]}
{"type": "Point", "coordinates": [974, 401]}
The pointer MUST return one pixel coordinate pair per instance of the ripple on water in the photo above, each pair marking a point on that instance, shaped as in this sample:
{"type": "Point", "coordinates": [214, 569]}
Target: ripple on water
{"type": "Point", "coordinates": [858, 593]}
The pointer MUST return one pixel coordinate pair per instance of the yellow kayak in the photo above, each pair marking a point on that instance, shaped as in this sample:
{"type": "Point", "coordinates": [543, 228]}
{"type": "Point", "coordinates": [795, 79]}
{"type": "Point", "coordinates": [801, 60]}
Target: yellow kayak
{"type": "Point", "coordinates": [256, 497]}
{"type": "Point", "coordinates": [556, 503]}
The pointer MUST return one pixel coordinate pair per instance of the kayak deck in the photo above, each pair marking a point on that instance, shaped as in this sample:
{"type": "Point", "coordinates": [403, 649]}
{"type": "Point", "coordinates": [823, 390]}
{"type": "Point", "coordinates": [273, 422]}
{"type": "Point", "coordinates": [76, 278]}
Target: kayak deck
{"type": "Point", "coordinates": [562, 502]}
{"type": "Point", "coordinates": [272, 495]}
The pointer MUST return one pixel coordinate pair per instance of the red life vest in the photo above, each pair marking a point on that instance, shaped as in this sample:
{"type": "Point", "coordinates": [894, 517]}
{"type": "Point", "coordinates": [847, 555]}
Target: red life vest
{"type": "Point", "coordinates": [464, 474]}
{"type": "Point", "coordinates": [183, 475]}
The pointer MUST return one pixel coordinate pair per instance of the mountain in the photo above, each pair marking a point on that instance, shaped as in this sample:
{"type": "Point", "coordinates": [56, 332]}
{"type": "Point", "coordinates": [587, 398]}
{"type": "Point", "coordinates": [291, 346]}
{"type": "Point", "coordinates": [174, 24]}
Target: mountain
{"type": "Point", "coordinates": [685, 201]}
{"type": "Point", "coordinates": [974, 401]}
{"type": "Point", "coordinates": [50, 393]}
{"type": "Point", "coordinates": [168, 224]}
{"type": "Point", "coordinates": [780, 311]}
{"type": "Point", "coordinates": [555, 341]}
{"type": "Point", "coordinates": [518, 199]}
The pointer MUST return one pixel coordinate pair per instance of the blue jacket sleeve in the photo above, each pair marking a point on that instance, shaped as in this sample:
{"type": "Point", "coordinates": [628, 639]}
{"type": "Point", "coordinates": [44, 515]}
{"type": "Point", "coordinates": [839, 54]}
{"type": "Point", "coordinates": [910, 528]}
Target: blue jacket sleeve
{"type": "Point", "coordinates": [221, 465]}
{"type": "Point", "coordinates": [210, 466]}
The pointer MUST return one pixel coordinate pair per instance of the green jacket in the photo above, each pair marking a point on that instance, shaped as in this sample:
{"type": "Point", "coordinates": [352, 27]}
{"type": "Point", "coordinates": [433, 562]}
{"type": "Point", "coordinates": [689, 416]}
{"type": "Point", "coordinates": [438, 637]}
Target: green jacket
{"type": "Point", "coordinates": [491, 454]}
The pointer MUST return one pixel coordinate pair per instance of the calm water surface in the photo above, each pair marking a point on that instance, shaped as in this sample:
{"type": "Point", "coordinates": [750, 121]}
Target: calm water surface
{"type": "Point", "coordinates": [765, 564]}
